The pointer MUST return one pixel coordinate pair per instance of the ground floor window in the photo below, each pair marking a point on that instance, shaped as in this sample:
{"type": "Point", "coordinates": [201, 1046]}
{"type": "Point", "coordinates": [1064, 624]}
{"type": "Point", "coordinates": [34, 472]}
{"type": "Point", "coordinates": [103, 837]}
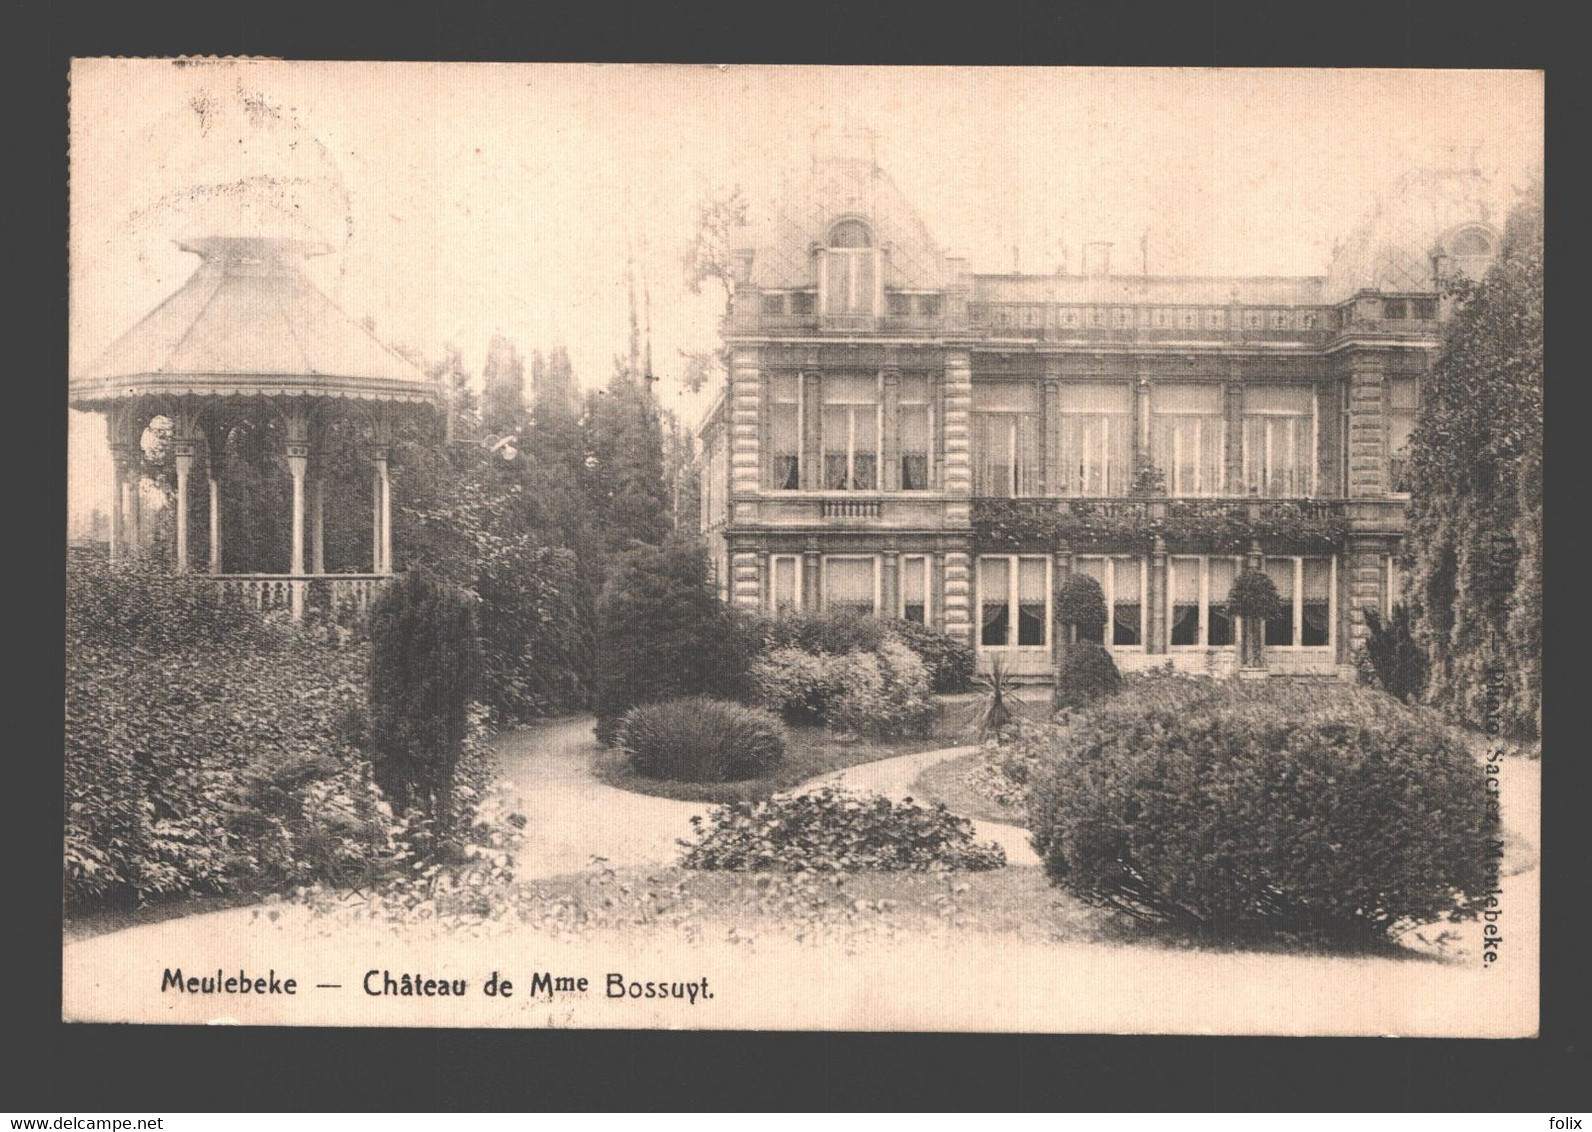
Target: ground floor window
{"type": "Point", "coordinates": [1124, 580]}
{"type": "Point", "coordinates": [915, 588]}
{"type": "Point", "coordinates": [785, 583]}
{"type": "Point", "coordinates": [1197, 591]}
{"type": "Point", "coordinates": [1306, 587]}
{"type": "Point", "coordinates": [851, 583]}
{"type": "Point", "coordinates": [1014, 601]}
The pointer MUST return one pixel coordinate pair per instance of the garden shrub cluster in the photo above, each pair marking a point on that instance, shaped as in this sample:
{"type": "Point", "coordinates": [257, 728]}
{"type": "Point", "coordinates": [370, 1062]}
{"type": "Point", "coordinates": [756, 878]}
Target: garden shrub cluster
{"type": "Point", "coordinates": [208, 747]}
{"type": "Point", "coordinates": [697, 739]}
{"type": "Point", "coordinates": [1335, 815]}
{"type": "Point", "coordinates": [883, 693]}
{"type": "Point", "coordinates": [950, 662]}
{"type": "Point", "coordinates": [1087, 673]}
{"type": "Point", "coordinates": [830, 830]}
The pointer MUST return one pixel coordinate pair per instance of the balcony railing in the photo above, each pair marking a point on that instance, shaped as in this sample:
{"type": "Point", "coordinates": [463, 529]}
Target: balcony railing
{"type": "Point", "coordinates": [850, 508]}
{"type": "Point", "coordinates": [338, 594]}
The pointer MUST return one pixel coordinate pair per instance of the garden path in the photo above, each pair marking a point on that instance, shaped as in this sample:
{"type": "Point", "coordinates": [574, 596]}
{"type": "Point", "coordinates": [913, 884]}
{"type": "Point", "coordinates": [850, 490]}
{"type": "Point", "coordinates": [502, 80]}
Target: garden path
{"type": "Point", "coordinates": [572, 817]}
{"type": "Point", "coordinates": [894, 778]}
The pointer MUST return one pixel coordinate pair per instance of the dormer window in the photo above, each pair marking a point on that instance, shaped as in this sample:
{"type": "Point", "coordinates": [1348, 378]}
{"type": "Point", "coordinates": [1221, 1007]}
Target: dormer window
{"type": "Point", "coordinates": [850, 273]}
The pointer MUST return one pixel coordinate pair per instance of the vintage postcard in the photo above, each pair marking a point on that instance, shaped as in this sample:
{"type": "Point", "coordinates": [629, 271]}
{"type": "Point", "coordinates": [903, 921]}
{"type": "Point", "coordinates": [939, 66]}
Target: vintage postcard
{"type": "Point", "coordinates": [822, 548]}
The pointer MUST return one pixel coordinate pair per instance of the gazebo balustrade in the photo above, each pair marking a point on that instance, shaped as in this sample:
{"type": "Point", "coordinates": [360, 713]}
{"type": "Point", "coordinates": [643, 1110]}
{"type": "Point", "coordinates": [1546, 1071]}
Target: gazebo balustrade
{"type": "Point", "coordinates": [249, 339]}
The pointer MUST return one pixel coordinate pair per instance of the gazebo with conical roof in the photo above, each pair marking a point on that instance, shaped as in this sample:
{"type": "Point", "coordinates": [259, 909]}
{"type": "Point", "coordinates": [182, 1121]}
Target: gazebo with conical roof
{"type": "Point", "coordinates": [250, 338]}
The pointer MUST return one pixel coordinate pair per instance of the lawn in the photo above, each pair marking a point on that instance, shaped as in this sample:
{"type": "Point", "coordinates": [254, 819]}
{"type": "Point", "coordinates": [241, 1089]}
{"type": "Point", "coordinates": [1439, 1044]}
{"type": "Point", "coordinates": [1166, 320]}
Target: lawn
{"type": "Point", "coordinates": [740, 906]}
{"type": "Point", "coordinates": [952, 783]}
{"type": "Point", "coordinates": [810, 752]}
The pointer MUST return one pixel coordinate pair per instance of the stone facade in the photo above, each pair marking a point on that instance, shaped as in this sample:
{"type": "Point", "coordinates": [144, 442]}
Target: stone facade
{"type": "Point", "coordinates": [901, 435]}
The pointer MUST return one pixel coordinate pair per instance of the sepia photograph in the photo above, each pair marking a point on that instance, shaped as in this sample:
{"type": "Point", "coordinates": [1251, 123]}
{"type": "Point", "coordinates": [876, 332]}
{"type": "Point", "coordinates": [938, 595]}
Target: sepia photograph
{"type": "Point", "coordinates": [823, 548]}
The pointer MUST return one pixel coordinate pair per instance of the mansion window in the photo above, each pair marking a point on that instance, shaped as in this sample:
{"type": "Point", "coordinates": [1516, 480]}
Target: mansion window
{"type": "Point", "coordinates": [850, 270]}
{"type": "Point", "coordinates": [1124, 580]}
{"type": "Point", "coordinates": [897, 304]}
{"type": "Point", "coordinates": [916, 423]}
{"type": "Point", "coordinates": [803, 302]}
{"type": "Point", "coordinates": [915, 588]}
{"type": "Point", "coordinates": [785, 430]}
{"type": "Point", "coordinates": [1188, 438]}
{"type": "Point", "coordinates": [1197, 590]}
{"type": "Point", "coordinates": [1305, 586]}
{"type": "Point", "coordinates": [1096, 438]}
{"type": "Point", "coordinates": [785, 583]}
{"type": "Point", "coordinates": [1005, 438]}
{"type": "Point", "coordinates": [1403, 396]}
{"type": "Point", "coordinates": [1279, 440]}
{"type": "Point", "coordinates": [851, 584]}
{"type": "Point", "coordinates": [1014, 601]}
{"type": "Point", "coordinates": [851, 431]}
{"type": "Point", "coordinates": [773, 302]}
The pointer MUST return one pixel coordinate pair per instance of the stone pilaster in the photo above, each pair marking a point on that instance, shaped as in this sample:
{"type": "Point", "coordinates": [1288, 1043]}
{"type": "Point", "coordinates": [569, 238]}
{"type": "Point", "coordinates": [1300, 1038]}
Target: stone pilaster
{"type": "Point", "coordinates": [890, 443]}
{"type": "Point", "coordinates": [937, 591]}
{"type": "Point", "coordinates": [958, 400]}
{"type": "Point", "coordinates": [812, 579]}
{"type": "Point", "coordinates": [1367, 472]}
{"type": "Point", "coordinates": [1363, 563]}
{"type": "Point", "coordinates": [1061, 570]}
{"type": "Point", "coordinates": [746, 580]}
{"type": "Point", "coordinates": [1156, 619]}
{"type": "Point", "coordinates": [959, 596]}
{"type": "Point", "coordinates": [746, 421]}
{"type": "Point", "coordinates": [1050, 432]}
{"type": "Point", "coordinates": [812, 441]}
{"type": "Point", "coordinates": [889, 583]}
{"type": "Point", "coordinates": [1233, 413]}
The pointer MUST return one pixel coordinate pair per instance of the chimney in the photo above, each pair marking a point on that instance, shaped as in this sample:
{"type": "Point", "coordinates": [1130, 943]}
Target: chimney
{"type": "Point", "coordinates": [1097, 257]}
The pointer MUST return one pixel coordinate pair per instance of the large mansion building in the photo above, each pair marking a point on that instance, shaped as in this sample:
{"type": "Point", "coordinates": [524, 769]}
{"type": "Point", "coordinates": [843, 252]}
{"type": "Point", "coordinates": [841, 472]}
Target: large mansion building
{"type": "Point", "coordinates": [901, 437]}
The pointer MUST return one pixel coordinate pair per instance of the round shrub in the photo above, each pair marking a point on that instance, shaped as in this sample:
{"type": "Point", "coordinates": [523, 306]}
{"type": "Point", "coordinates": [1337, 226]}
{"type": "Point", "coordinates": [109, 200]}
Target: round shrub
{"type": "Point", "coordinates": [1081, 603]}
{"type": "Point", "coordinates": [1334, 815]}
{"type": "Point", "coordinates": [1254, 595]}
{"type": "Point", "coordinates": [830, 830]}
{"type": "Point", "coordinates": [1086, 674]}
{"type": "Point", "coordinates": [697, 739]}
{"type": "Point", "coordinates": [950, 662]}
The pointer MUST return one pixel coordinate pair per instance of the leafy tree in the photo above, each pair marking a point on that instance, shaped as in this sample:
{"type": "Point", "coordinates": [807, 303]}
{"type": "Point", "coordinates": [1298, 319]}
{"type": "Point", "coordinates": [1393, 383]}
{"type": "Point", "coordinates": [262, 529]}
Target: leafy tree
{"type": "Point", "coordinates": [1082, 604]}
{"type": "Point", "coordinates": [710, 261]}
{"type": "Point", "coordinates": [624, 438]}
{"type": "Point", "coordinates": [1475, 535]}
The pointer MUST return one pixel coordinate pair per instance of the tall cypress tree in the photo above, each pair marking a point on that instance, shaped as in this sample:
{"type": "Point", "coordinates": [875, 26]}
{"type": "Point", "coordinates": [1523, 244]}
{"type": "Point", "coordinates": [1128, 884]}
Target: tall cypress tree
{"type": "Point", "coordinates": [503, 392]}
{"type": "Point", "coordinates": [1475, 535]}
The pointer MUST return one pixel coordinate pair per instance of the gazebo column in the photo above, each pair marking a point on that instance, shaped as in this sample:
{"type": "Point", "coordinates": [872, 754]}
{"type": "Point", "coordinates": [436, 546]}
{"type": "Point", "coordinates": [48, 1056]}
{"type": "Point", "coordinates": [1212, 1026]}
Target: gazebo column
{"type": "Point", "coordinates": [318, 521]}
{"type": "Point", "coordinates": [119, 427]}
{"type": "Point", "coordinates": [184, 446]}
{"type": "Point", "coordinates": [381, 492]}
{"type": "Point", "coordinates": [120, 461]}
{"type": "Point", "coordinates": [298, 457]}
{"type": "Point", "coordinates": [213, 474]}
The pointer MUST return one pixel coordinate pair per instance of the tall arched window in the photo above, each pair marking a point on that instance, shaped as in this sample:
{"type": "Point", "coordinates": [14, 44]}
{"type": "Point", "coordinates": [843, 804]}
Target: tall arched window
{"type": "Point", "coordinates": [849, 276]}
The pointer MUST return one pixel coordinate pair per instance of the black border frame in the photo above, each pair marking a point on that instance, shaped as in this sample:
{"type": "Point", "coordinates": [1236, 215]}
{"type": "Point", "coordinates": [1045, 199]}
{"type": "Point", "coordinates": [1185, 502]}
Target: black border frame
{"type": "Point", "coordinates": [88, 1068]}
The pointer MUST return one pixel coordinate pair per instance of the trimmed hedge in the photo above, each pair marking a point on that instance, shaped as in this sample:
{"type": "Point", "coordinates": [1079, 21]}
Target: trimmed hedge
{"type": "Point", "coordinates": [830, 830]}
{"type": "Point", "coordinates": [697, 739]}
{"type": "Point", "coordinates": [1339, 815]}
